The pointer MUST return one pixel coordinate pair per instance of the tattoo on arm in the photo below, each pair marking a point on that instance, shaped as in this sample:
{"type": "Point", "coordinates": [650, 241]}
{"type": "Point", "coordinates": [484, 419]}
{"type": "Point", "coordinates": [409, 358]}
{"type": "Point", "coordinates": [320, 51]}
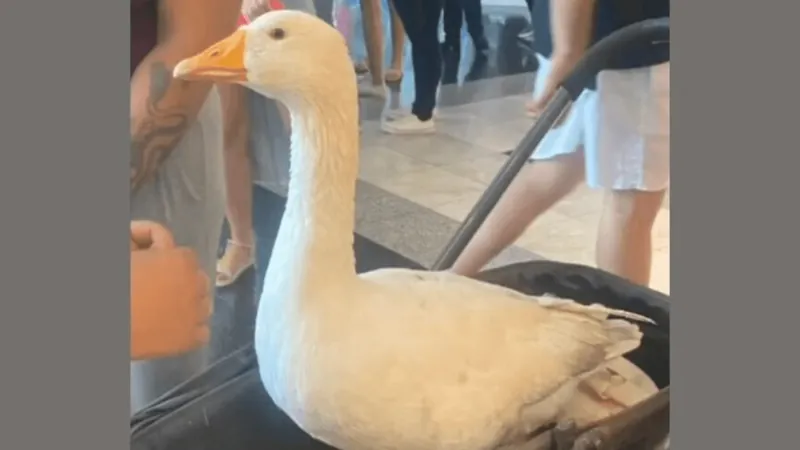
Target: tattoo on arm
{"type": "Point", "coordinates": [160, 131]}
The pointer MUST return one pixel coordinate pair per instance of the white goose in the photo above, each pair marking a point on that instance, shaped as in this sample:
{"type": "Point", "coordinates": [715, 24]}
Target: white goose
{"type": "Point", "coordinates": [398, 359]}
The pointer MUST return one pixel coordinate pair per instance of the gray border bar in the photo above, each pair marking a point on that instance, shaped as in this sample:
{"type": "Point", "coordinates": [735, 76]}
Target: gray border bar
{"type": "Point", "coordinates": [734, 230]}
{"type": "Point", "coordinates": [64, 325]}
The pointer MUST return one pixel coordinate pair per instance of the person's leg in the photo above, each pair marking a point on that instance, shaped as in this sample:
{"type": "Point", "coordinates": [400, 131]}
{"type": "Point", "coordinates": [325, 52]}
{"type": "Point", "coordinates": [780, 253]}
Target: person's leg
{"type": "Point", "coordinates": [240, 251]}
{"type": "Point", "coordinates": [372, 21]}
{"type": "Point", "coordinates": [431, 11]}
{"type": "Point", "coordinates": [530, 4]}
{"type": "Point", "coordinates": [452, 21]}
{"type": "Point", "coordinates": [535, 190]}
{"type": "Point", "coordinates": [629, 157]}
{"type": "Point", "coordinates": [473, 13]}
{"type": "Point", "coordinates": [187, 196]}
{"type": "Point", "coordinates": [395, 72]}
{"type": "Point", "coordinates": [559, 166]}
{"type": "Point", "coordinates": [421, 20]}
{"type": "Point", "coordinates": [624, 244]}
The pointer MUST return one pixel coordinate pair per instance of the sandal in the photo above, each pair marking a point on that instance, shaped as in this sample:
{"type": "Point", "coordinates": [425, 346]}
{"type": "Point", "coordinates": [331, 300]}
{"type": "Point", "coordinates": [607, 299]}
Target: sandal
{"type": "Point", "coordinates": [227, 274]}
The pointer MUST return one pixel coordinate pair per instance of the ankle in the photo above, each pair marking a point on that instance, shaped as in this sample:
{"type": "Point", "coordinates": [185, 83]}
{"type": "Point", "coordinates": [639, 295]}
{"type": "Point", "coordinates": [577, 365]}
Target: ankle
{"type": "Point", "coordinates": [246, 242]}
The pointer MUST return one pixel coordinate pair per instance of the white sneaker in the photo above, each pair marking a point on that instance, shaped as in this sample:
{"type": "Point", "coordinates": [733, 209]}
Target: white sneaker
{"type": "Point", "coordinates": [394, 114]}
{"type": "Point", "coordinates": [409, 124]}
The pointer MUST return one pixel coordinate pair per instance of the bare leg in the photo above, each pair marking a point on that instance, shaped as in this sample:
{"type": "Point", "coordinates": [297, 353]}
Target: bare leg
{"type": "Point", "coordinates": [624, 244]}
{"type": "Point", "coordinates": [239, 186]}
{"type": "Point", "coordinates": [535, 190]}
{"type": "Point", "coordinates": [372, 19]}
{"type": "Point", "coordinates": [395, 72]}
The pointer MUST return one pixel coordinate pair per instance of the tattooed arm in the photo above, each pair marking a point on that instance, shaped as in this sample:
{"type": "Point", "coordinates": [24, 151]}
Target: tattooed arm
{"type": "Point", "coordinates": [163, 108]}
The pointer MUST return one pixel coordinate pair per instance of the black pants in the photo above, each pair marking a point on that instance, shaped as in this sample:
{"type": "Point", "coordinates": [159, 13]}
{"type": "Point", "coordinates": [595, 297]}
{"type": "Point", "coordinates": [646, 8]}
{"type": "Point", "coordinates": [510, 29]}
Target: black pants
{"type": "Point", "coordinates": [473, 13]}
{"type": "Point", "coordinates": [421, 21]}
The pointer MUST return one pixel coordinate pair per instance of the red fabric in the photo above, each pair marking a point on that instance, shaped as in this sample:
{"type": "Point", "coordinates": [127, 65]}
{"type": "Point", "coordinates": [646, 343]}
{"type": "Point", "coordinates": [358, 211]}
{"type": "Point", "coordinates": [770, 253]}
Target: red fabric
{"type": "Point", "coordinates": [273, 5]}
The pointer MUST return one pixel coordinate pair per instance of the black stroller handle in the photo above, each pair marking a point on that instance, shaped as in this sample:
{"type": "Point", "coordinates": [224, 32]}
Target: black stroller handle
{"type": "Point", "coordinates": [597, 58]}
{"type": "Point", "coordinates": [600, 55]}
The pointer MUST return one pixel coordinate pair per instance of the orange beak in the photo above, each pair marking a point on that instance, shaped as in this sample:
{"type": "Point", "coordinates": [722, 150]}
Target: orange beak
{"type": "Point", "coordinates": [222, 62]}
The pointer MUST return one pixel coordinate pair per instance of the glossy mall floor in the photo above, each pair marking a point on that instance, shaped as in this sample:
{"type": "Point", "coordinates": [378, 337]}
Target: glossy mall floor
{"type": "Point", "coordinates": [414, 190]}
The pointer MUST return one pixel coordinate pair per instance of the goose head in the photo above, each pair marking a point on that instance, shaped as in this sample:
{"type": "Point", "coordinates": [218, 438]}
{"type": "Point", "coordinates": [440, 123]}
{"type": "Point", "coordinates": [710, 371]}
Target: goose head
{"type": "Point", "coordinates": [286, 55]}
{"type": "Point", "coordinates": [304, 63]}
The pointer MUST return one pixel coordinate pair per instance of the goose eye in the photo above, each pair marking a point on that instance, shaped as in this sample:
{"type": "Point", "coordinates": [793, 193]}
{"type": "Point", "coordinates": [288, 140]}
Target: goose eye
{"type": "Point", "coordinates": [277, 33]}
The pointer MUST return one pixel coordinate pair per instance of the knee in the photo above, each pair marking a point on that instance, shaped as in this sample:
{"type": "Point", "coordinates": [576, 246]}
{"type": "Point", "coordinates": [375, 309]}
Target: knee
{"type": "Point", "coordinates": [632, 210]}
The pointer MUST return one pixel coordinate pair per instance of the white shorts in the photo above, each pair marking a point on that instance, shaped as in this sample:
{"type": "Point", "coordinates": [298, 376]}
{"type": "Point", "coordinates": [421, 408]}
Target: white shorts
{"type": "Point", "coordinates": [623, 128]}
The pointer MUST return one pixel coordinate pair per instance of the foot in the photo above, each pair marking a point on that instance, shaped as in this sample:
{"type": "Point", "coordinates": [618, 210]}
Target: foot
{"type": "Point", "coordinates": [409, 124]}
{"type": "Point", "coordinates": [394, 114]}
{"type": "Point", "coordinates": [360, 68]}
{"type": "Point", "coordinates": [531, 110]}
{"type": "Point", "coordinates": [370, 90]}
{"type": "Point", "coordinates": [236, 260]}
{"type": "Point", "coordinates": [393, 74]}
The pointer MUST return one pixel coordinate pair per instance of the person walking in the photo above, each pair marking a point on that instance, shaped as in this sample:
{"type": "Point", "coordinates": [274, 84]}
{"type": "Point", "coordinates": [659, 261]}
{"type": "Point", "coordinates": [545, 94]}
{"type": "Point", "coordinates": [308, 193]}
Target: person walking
{"type": "Point", "coordinates": [421, 21]}
{"type": "Point", "coordinates": [615, 138]}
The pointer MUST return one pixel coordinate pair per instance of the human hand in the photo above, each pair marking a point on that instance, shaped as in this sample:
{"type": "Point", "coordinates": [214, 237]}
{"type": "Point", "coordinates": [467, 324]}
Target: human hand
{"type": "Point", "coordinates": [146, 234]}
{"type": "Point", "coordinates": [170, 295]}
{"type": "Point", "coordinates": [560, 68]}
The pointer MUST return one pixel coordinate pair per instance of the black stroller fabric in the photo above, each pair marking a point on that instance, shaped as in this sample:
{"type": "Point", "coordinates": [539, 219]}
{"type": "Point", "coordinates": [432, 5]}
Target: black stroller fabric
{"type": "Point", "coordinates": [226, 407]}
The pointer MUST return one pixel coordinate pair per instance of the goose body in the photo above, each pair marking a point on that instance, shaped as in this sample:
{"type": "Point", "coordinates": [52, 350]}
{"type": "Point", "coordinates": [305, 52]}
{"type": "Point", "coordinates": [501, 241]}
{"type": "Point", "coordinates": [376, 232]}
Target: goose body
{"type": "Point", "coordinates": [398, 359]}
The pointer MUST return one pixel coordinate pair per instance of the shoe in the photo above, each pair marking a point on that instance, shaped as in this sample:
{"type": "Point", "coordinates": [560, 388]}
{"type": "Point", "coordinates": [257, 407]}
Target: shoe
{"type": "Point", "coordinates": [394, 114]}
{"type": "Point", "coordinates": [237, 259]}
{"type": "Point", "coordinates": [408, 124]}
{"type": "Point", "coordinates": [368, 90]}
